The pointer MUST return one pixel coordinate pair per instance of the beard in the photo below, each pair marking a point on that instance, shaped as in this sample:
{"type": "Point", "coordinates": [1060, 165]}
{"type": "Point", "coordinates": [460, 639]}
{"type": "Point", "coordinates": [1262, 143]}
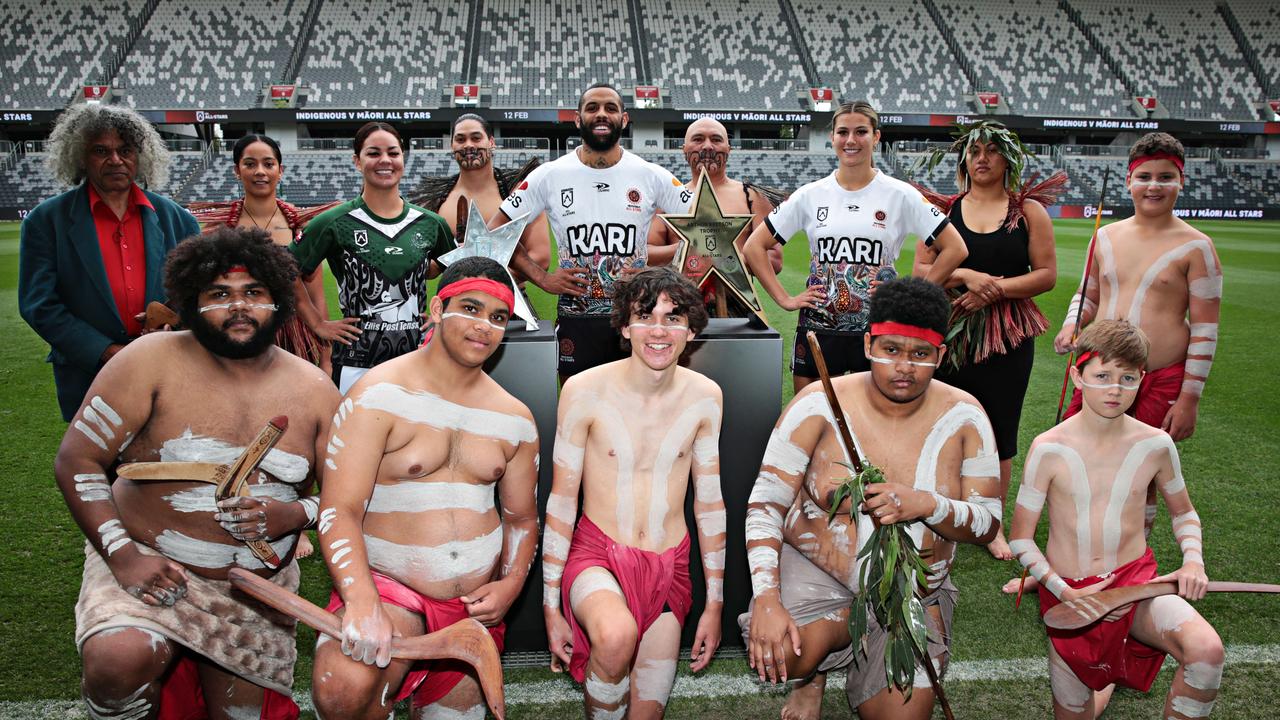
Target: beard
{"type": "Point", "coordinates": [708, 160]}
{"type": "Point", "coordinates": [216, 340]}
{"type": "Point", "coordinates": [599, 144]}
{"type": "Point", "coordinates": [472, 158]}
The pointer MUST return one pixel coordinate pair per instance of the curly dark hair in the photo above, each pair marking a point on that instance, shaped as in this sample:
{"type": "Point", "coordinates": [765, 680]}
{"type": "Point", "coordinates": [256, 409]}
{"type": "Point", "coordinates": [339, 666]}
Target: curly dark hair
{"type": "Point", "coordinates": [199, 259]}
{"type": "Point", "coordinates": [911, 301]}
{"type": "Point", "coordinates": [641, 291]}
{"type": "Point", "coordinates": [470, 267]}
{"type": "Point", "coordinates": [1157, 142]}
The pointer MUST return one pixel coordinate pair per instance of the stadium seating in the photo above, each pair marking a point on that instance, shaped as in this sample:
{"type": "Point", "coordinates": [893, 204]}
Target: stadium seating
{"type": "Point", "coordinates": [30, 182]}
{"type": "Point", "coordinates": [380, 54]}
{"type": "Point", "coordinates": [1179, 50]}
{"type": "Point", "coordinates": [50, 48]}
{"type": "Point", "coordinates": [208, 53]}
{"type": "Point", "coordinates": [724, 54]}
{"type": "Point", "coordinates": [543, 54]}
{"type": "Point", "coordinates": [1057, 73]}
{"type": "Point", "coordinates": [1262, 177]}
{"type": "Point", "coordinates": [887, 52]}
{"type": "Point", "coordinates": [784, 170]}
{"type": "Point", "coordinates": [1260, 21]}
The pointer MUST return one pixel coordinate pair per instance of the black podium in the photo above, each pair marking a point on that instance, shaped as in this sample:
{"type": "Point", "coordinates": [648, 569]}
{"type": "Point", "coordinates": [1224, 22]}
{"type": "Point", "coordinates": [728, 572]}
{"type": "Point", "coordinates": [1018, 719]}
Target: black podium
{"type": "Point", "coordinates": [746, 361]}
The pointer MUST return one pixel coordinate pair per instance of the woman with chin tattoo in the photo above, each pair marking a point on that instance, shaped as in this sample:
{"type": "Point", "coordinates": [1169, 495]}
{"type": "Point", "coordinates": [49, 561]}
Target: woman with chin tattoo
{"type": "Point", "coordinates": [259, 167]}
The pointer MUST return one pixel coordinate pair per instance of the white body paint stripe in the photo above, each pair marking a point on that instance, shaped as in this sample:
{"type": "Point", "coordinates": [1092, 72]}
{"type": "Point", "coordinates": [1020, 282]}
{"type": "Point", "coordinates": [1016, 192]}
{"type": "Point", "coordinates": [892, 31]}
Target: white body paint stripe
{"type": "Point", "coordinates": [203, 553]}
{"type": "Point", "coordinates": [955, 418]}
{"type": "Point", "coordinates": [197, 448]}
{"type": "Point", "coordinates": [419, 496]}
{"type": "Point", "coordinates": [1203, 347]}
{"type": "Point", "coordinates": [1191, 707]}
{"type": "Point", "coordinates": [711, 522]}
{"type": "Point", "coordinates": [706, 489]}
{"type": "Point", "coordinates": [677, 436]}
{"type": "Point", "coordinates": [327, 517]}
{"type": "Point", "coordinates": [101, 424]}
{"type": "Point", "coordinates": [1205, 330]}
{"type": "Point", "coordinates": [446, 561]}
{"type": "Point", "coordinates": [981, 466]}
{"type": "Point", "coordinates": [561, 507]}
{"type": "Point", "coordinates": [615, 429]}
{"type": "Point", "coordinates": [97, 403]}
{"type": "Point", "coordinates": [1205, 285]}
{"type": "Point", "coordinates": [426, 408]}
{"type": "Point", "coordinates": [605, 692]}
{"type": "Point", "coordinates": [591, 581]}
{"type": "Point", "coordinates": [89, 433]}
{"type": "Point", "coordinates": [1120, 490]}
{"type": "Point", "coordinates": [654, 679]}
{"type": "Point", "coordinates": [1203, 676]}
{"type": "Point", "coordinates": [200, 498]}
{"type": "Point", "coordinates": [92, 487]}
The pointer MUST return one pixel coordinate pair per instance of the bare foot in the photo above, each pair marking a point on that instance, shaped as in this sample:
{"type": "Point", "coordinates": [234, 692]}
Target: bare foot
{"type": "Point", "coordinates": [999, 548]}
{"type": "Point", "coordinates": [805, 700]}
{"type": "Point", "coordinates": [305, 548]}
{"type": "Point", "coordinates": [1011, 587]}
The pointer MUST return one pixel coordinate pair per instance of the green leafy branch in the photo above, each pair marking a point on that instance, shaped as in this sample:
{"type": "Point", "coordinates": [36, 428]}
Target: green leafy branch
{"type": "Point", "coordinates": [893, 577]}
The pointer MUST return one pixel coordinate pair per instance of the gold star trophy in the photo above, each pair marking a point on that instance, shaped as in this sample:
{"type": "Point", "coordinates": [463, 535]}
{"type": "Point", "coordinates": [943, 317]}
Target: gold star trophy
{"type": "Point", "coordinates": [708, 252]}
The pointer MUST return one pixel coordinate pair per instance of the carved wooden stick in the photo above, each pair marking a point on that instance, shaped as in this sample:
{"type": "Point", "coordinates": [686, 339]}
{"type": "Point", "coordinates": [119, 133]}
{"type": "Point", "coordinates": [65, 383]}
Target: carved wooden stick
{"type": "Point", "coordinates": [466, 640]}
{"type": "Point", "coordinates": [1090, 609]}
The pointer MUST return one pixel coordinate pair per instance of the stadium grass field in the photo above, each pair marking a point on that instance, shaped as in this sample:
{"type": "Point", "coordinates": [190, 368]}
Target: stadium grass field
{"type": "Point", "coordinates": [998, 655]}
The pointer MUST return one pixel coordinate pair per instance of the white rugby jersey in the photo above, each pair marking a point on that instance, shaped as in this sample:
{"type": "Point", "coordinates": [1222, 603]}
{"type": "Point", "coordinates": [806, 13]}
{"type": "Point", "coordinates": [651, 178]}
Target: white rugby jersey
{"type": "Point", "coordinates": [600, 218]}
{"type": "Point", "coordinates": [854, 238]}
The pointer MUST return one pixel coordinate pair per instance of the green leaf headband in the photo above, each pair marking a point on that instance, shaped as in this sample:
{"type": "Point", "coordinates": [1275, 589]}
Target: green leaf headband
{"type": "Point", "coordinates": [1008, 145]}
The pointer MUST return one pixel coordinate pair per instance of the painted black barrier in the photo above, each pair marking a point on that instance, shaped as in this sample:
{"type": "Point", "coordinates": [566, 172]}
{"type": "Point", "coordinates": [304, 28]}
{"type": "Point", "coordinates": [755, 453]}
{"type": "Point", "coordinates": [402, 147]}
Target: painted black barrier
{"type": "Point", "coordinates": [746, 360]}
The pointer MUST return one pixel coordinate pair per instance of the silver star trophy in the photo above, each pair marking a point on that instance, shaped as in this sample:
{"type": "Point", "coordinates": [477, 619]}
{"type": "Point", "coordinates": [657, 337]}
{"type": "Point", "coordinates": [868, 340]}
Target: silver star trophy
{"type": "Point", "coordinates": [497, 244]}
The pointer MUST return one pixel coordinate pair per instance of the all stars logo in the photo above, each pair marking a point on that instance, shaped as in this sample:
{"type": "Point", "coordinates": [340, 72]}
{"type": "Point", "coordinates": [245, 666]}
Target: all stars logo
{"type": "Point", "coordinates": [566, 198]}
{"type": "Point", "coordinates": [361, 237]}
{"type": "Point", "coordinates": [822, 214]}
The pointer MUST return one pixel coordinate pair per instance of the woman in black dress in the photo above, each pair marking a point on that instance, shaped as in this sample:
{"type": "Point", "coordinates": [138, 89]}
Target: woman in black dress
{"type": "Point", "coordinates": [1011, 259]}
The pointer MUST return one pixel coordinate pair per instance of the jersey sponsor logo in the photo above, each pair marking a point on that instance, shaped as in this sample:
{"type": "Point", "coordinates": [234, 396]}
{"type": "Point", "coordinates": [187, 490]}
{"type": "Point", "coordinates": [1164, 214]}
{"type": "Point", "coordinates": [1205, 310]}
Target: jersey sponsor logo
{"type": "Point", "coordinates": [880, 215]}
{"type": "Point", "coordinates": [863, 251]}
{"type": "Point", "coordinates": [685, 196]}
{"type": "Point", "coordinates": [393, 250]}
{"type": "Point", "coordinates": [600, 187]}
{"type": "Point", "coordinates": [609, 239]}
{"type": "Point", "coordinates": [822, 214]}
{"type": "Point", "coordinates": [361, 237]}
{"type": "Point", "coordinates": [633, 195]}
{"type": "Point", "coordinates": [852, 208]}
{"type": "Point", "coordinates": [523, 186]}
{"type": "Point", "coordinates": [566, 197]}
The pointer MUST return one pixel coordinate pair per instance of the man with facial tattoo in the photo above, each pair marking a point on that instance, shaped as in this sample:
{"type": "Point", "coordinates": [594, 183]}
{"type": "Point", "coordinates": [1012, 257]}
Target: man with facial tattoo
{"type": "Point", "coordinates": [157, 625]}
{"type": "Point", "coordinates": [601, 201]}
{"type": "Point", "coordinates": [707, 149]}
{"type": "Point", "coordinates": [480, 182]}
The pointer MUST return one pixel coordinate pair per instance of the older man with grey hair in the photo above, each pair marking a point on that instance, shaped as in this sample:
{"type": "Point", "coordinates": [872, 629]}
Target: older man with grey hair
{"type": "Point", "coordinates": [92, 258]}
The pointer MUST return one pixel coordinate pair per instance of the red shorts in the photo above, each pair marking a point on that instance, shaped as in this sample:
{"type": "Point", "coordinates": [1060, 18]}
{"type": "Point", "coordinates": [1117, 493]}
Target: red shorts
{"type": "Point", "coordinates": [1157, 393]}
{"type": "Point", "coordinates": [182, 697]}
{"type": "Point", "coordinates": [650, 582]}
{"type": "Point", "coordinates": [428, 680]}
{"type": "Point", "coordinates": [1104, 653]}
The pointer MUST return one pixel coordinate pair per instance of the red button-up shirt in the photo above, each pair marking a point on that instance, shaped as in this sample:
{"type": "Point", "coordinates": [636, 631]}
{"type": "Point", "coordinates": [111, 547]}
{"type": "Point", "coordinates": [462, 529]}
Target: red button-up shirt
{"type": "Point", "coordinates": [124, 254]}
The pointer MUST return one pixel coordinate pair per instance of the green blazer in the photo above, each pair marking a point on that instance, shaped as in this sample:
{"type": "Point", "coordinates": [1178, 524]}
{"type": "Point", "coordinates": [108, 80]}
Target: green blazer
{"type": "Point", "coordinates": [63, 292]}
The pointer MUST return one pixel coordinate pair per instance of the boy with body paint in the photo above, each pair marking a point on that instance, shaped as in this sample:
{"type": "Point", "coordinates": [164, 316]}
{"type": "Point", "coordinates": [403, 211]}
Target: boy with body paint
{"type": "Point", "coordinates": [629, 434]}
{"type": "Point", "coordinates": [157, 623]}
{"type": "Point", "coordinates": [1160, 274]}
{"type": "Point", "coordinates": [938, 454]}
{"type": "Point", "coordinates": [1094, 471]}
{"type": "Point", "coordinates": [408, 523]}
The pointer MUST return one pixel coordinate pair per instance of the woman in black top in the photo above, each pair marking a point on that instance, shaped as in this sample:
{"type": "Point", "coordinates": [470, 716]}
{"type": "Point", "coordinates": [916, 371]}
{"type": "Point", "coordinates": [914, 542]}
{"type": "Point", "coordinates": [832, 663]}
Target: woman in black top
{"type": "Point", "coordinates": [1011, 260]}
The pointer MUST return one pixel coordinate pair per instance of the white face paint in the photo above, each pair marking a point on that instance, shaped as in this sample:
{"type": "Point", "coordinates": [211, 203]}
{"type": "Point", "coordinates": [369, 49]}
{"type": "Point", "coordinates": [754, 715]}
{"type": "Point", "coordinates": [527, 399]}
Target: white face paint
{"type": "Point", "coordinates": [200, 499]}
{"type": "Point", "coordinates": [416, 496]}
{"type": "Point", "coordinates": [1203, 676]}
{"type": "Point", "coordinates": [892, 361]}
{"type": "Point", "coordinates": [113, 536]}
{"type": "Point", "coordinates": [238, 304]}
{"type": "Point", "coordinates": [654, 679]}
{"type": "Point", "coordinates": [205, 554]}
{"type": "Point", "coordinates": [591, 581]}
{"type": "Point", "coordinates": [425, 408]}
{"type": "Point", "coordinates": [443, 562]}
{"type": "Point", "coordinates": [1154, 185]}
{"type": "Point", "coordinates": [92, 487]}
{"type": "Point", "coordinates": [679, 434]}
{"type": "Point", "coordinates": [473, 319]}
{"type": "Point", "coordinates": [187, 447]}
{"type": "Point", "coordinates": [607, 693]}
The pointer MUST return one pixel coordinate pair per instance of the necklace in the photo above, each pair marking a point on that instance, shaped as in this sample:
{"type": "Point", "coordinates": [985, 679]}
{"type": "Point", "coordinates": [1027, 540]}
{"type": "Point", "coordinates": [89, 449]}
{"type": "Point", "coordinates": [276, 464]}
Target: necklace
{"type": "Point", "coordinates": [245, 209]}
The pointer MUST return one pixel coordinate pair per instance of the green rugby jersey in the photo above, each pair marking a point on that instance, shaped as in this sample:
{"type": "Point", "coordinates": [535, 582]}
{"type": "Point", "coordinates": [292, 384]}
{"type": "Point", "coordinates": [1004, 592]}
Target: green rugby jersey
{"type": "Point", "coordinates": [382, 266]}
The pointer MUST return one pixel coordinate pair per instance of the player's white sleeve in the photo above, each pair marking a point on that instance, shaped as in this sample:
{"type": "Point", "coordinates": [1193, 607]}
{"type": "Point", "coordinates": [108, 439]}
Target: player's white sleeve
{"type": "Point", "coordinates": [788, 218]}
{"type": "Point", "coordinates": [529, 197]}
{"type": "Point", "coordinates": [924, 220]}
{"type": "Point", "coordinates": [671, 196]}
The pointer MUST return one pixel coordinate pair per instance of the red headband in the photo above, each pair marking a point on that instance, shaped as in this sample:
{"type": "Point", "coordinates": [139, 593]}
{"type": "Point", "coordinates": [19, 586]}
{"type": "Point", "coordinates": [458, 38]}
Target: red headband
{"type": "Point", "coordinates": [1085, 357]}
{"type": "Point", "coordinates": [932, 337]}
{"type": "Point", "coordinates": [236, 269]}
{"type": "Point", "coordinates": [489, 287]}
{"type": "Point", "coordinates": [1156, 156]}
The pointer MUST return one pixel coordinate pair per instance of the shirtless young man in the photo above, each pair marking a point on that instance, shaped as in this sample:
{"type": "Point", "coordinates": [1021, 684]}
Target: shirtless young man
{"type": "Point", "coordinates": [625, 577]}
{"type": "Point", "coordinates": [707, 149]}
{"type": "Point", "coordinates": [1094, 471]}
{"type": "Point", "coordinates": [408, 524]}
{"type": "Point", "coordinates": [1162, 275]}
{"type": "Point", "coordinates": [938, 454]}
{"type": "Point", "coordinates": [155, 588]}
{"type": "Point", "coordinates": [481, 182]}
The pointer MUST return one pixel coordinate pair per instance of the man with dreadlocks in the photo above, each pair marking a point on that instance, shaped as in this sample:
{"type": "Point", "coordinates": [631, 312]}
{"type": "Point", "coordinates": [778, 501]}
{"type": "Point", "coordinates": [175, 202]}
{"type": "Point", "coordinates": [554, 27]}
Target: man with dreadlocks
{"type": "Point", "coordinates": [90, 259]}
{"type": "Point", "coordinates": [1011, 260]}
{"type": "Point", "coordinates": [160, 631]}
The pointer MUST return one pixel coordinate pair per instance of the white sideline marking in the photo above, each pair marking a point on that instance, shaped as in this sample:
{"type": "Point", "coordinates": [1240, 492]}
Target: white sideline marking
{"type": "Point", "coordinates": [564, 690]}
